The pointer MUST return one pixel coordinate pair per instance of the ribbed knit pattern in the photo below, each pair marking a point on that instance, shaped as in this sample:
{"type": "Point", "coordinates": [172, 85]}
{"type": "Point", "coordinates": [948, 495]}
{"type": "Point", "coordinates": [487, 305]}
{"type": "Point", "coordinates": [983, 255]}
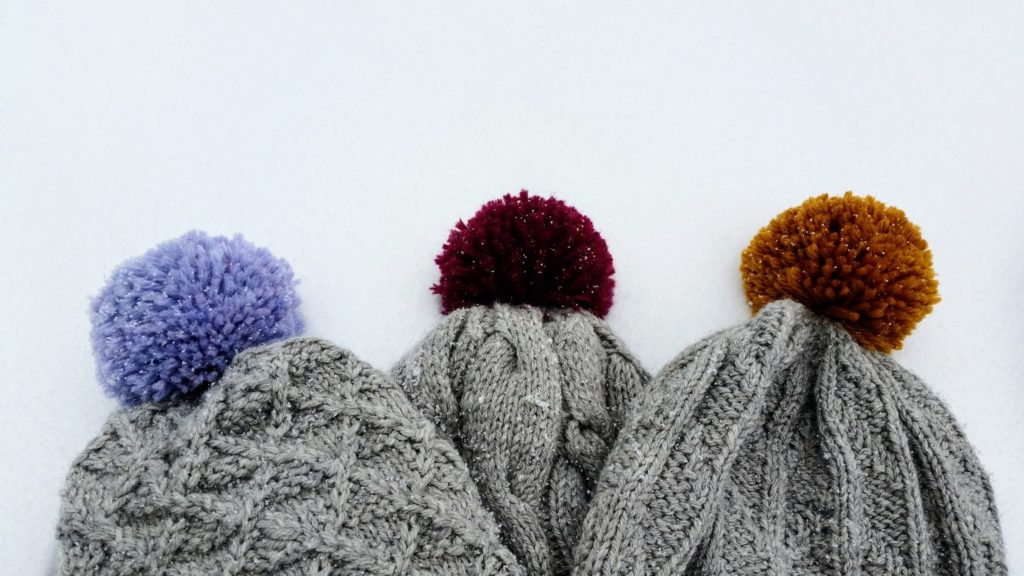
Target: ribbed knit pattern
{"type": "Point", "coordinates": [300, 460]}
{"type": "Point", "coordinates": [783, 447]}
{"type": "Point", "coordinates": [533, 400]}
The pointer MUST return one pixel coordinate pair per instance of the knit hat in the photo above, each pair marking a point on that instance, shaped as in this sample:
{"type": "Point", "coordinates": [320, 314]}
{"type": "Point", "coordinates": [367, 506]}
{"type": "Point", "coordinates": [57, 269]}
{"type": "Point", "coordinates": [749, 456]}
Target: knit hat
{"type": "Point", "coordinates": [290, 457]}
{"type": "Point", "coordinates": [792, 444]}
{"type": "Point", "coordinates": [522, 374]}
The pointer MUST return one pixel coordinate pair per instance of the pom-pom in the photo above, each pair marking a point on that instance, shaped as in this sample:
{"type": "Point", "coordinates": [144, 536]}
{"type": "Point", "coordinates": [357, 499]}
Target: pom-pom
{"type": "Point", "coordinates": [526, 250]}
{"type": "Point", "coordinates": [169, 322]}
{"type": "Point", "coordinates": [853, 259]}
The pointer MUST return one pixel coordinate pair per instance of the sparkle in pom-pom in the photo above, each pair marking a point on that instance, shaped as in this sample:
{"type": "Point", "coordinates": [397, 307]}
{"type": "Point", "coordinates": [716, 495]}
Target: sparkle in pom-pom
{"type": "Point", "coordinates": [169, 322]}
{"type": "Point", "coordinates": [853, 259]}
{"type": "Point", "coordinates": [524, 249]}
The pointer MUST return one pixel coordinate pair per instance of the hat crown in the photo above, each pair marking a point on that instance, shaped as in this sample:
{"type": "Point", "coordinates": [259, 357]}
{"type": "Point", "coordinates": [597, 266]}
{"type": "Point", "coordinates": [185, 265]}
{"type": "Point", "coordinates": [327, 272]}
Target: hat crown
{"type": "Point", "coordinates": [534, 399]}
{"type": "Point", "coordinates": [783, 446]}
{"type": "Point", "coordinates": [300, 459]}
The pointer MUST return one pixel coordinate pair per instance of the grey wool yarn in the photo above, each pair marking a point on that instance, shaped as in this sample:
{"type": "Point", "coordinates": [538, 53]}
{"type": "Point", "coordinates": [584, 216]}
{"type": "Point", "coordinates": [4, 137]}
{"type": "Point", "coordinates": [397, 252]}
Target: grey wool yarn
{"type": "Point", "coordinates": [792, 444]}
{"type": "Point", "coordinates": [522, 375]}
{"type": "Point", "coordinates": [783, 447]}
{"type": "Point", "coordinates": [301, 459]}
{"type": "Point", "coordinates": [533, 400]}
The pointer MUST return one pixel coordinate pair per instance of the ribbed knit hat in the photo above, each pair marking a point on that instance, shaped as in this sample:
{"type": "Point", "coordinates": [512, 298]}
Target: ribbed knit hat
{"type": "Point", "coordinates": [793, 444]}
{"type": "Point", "coordinates": [292, 457]}
{"type": "Point", "coordinates": [523, 375]}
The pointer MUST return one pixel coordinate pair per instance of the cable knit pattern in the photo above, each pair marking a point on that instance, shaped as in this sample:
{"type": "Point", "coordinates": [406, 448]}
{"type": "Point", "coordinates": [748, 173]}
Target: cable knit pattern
{"type": "Point", "coordinates": [783, 447]}
{"type": "Point", "coordinates": [533, 400]}
{"type": "Point", "coordinates": [300, 460]}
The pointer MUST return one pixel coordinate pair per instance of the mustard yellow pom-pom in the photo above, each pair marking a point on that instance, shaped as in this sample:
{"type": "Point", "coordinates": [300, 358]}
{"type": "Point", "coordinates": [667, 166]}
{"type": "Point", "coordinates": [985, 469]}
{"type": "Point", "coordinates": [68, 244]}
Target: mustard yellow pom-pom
{"type": "Point", "coordinates": [850, 258]}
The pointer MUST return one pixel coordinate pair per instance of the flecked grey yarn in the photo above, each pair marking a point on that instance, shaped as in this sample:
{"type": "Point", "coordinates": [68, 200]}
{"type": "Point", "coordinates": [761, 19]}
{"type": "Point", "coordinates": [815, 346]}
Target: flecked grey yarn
{"type": "Point", "coordinates": [300, 460]}
{"type": "Point", "coordinates": [783, 447]}
{"type": "Point", "coordinates": [534, 400]}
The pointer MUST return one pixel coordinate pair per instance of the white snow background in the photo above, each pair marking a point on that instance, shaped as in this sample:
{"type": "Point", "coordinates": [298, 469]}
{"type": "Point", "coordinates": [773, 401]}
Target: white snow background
{"type": "Point", "coordinates": [349, 136]}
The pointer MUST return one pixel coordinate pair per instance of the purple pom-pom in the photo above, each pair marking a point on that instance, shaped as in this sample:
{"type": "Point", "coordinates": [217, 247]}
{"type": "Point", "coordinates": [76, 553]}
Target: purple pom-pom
{"type": "Point", "coordinates": [169, 322]}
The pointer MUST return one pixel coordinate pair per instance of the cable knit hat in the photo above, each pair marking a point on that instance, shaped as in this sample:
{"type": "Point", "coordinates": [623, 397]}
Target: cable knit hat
{"type": "Point", "coordinates": [793, 444]}
{"type": "Point", "coordinates": [523, 375]}
{"type": "Point", "coordinates": [290, 457]}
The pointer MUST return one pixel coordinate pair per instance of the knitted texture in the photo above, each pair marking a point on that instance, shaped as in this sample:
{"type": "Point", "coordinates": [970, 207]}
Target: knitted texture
{"type": "Point", "coordinates": [783, 447]}
{"type": "Point", "coordinates": [533, 400]}
{"type": "Point", "coordinates": [300, 460]}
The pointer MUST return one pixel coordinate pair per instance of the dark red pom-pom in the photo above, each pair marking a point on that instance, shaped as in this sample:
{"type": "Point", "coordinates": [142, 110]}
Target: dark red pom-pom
{"type": "Point", "coordinates": [526, 250]}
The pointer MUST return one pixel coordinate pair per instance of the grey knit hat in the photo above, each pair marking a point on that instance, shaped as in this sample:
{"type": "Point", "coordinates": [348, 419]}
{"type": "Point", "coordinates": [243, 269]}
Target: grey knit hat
{"type": "Point", "coordinates": [296, 459]}
{"type": "Point", "coordinates": [522, 374]}
{"type": "Point", "coordinates": [792, 444]}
